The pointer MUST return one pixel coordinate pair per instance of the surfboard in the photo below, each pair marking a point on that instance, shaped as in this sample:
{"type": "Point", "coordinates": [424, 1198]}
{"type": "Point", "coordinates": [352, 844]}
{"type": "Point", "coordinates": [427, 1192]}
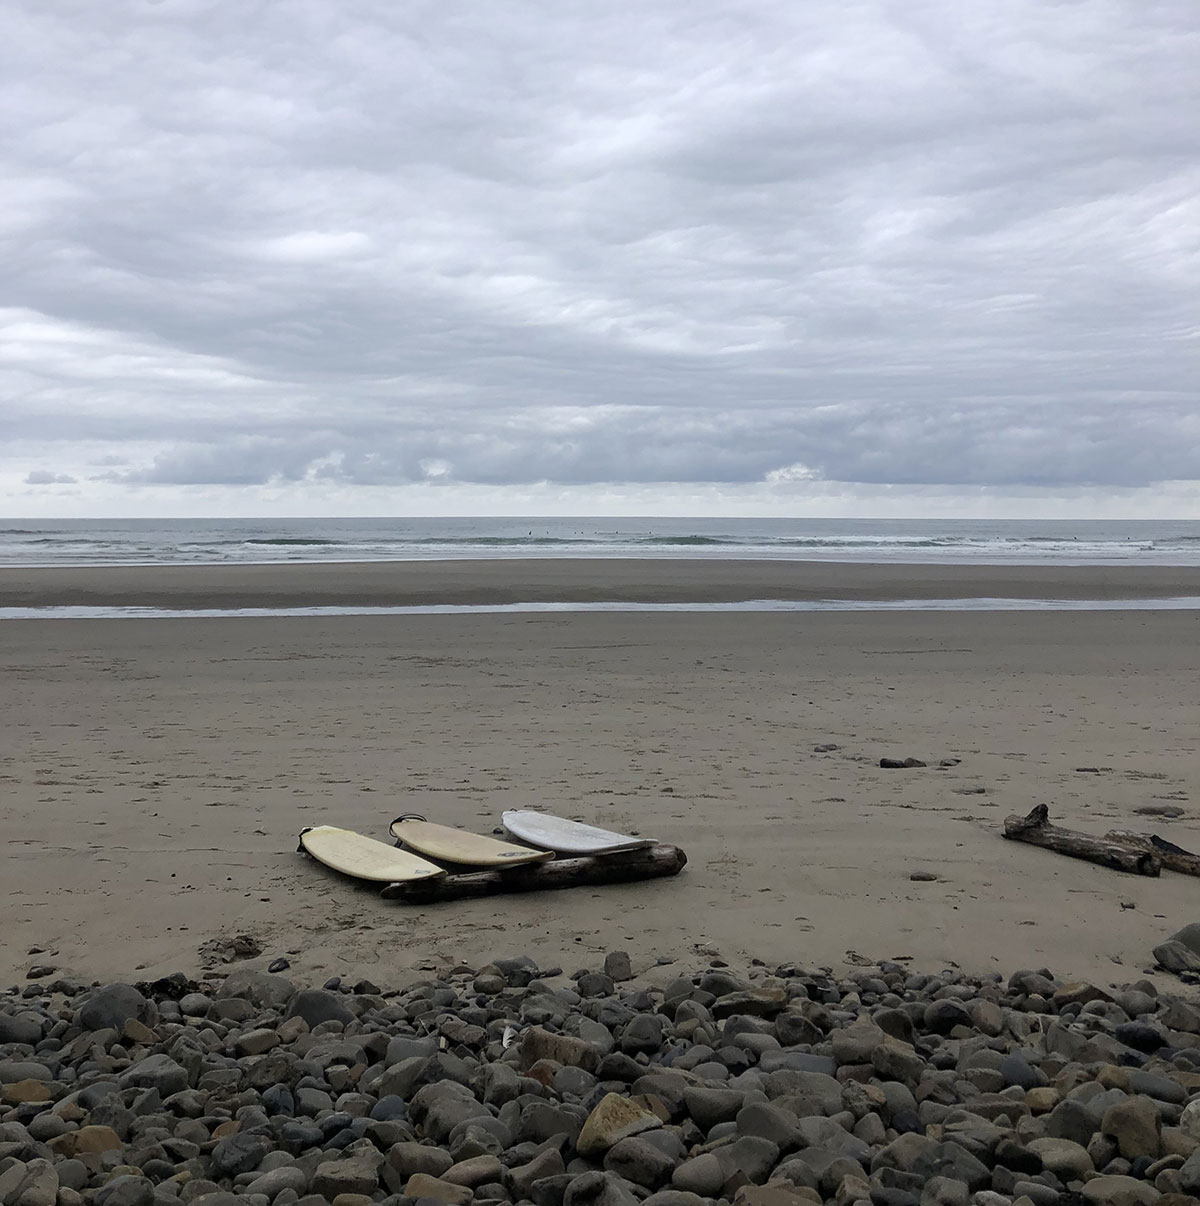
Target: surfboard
{"type": "Point", "coordinates": [568, 837]}
{"type": "Point", "coordinates": [459, 846]}
{"type": "Point", "coordinates": [363, 857]}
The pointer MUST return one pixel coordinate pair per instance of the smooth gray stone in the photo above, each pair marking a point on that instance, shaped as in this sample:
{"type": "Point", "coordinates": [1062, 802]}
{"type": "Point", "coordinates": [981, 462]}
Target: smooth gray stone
{"type": "Point", "coordinates": [110, 1007]}
{"type": "Point", "coordinates": [315, 1006]}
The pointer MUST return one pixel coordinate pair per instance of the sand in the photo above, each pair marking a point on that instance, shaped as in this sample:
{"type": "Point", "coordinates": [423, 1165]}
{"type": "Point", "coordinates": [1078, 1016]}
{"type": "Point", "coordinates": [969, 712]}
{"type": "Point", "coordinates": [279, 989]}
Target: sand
{"type": "Point", "coordinates": [155, 773]}
{"type": "Point", "coordinates": [550, 579]}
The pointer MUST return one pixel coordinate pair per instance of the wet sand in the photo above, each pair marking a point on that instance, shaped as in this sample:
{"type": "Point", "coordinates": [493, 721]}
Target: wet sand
{"type": "Point", "coordinates": [398, 583]}
{"type": "Point", "coordinates": [155, 773]}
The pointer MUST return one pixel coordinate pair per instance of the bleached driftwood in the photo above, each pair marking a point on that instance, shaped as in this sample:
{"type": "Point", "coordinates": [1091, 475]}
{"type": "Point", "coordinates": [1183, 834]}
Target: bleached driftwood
{"type": "Point", "coordinates": [1174, 858]}
{"type": "Point", "coordinates": [650, 863]}
{"type": "Point", "coordinates": [1036, 830]}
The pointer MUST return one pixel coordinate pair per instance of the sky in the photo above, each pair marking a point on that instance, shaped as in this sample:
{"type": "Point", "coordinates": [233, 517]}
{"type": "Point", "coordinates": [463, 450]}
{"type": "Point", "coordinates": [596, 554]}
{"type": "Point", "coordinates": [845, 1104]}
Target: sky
{"type": "Point", "coordinates": [593, 256]}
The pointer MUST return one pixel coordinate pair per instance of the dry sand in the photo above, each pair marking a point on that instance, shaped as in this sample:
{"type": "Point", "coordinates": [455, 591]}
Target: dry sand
{"type": "Point", "coordinates": [155, 773]}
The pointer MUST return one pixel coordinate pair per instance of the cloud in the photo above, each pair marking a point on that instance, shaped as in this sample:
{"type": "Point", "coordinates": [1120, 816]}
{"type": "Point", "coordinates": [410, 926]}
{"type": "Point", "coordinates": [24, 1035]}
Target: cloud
{"type": "Point", "coordinates": [43, 477]}
{"type": "Point", "coordinates": [369, 245]}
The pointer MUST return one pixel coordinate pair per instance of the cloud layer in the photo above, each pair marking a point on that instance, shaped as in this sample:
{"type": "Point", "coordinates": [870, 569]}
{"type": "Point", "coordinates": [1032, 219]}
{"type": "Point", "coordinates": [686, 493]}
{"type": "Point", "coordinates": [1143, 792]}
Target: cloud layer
{"type": "Point", "coordinates": [368, 244]}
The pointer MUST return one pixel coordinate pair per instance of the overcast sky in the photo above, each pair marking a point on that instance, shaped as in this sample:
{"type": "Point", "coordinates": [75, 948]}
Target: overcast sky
{"type": "Point", "coordinates": [294, 256]}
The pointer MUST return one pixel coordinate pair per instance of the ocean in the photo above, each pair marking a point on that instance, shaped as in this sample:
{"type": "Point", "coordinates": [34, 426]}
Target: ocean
{"type": "Point", "coordinates": [232, 541]}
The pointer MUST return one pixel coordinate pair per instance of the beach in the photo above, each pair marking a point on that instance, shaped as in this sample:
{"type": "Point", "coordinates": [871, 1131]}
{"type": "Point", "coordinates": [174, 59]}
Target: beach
{"type": "Point", "coordinates": [156, 772]}
{"type": "Point", "coordinates": [481, 582]}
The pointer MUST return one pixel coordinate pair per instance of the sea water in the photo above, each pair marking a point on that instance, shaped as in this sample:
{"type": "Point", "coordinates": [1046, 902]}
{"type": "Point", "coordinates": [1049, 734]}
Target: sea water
{"type": "Point", "coordinates": [244, 541]}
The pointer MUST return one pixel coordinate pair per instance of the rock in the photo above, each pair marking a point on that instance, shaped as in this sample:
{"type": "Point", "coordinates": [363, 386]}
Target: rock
{"type": "Point", "coordinates": [357, 1173]}
{"type": "Point", "coordinates": [1176, 957]}
{"type": "Point", "coordinates": [476, 1171]}
{"type": "Point", "coordinates": [240, 1153]}
{"type": "Point", "coordinates": [751, 1002]}
{"type": "Point", "coordinates": [618, 1066]}
{"type": "Point", "coordinates": [752, 1156]}
{"type": "Point", "coordinates": [902, 1153]}
{"type": "Point", "coordinates": [674, 1197]}
{"type": "Point", "coordinates": [259, 988]}
{"type": "Point", "coordinates": [708, 1107]}
{"type": "Point", "coordinates": [88, 1140]}
{"type": "Point", "coordinates": [595, 984]}
{"type": "Point", "coordinates": [598, 1189]}
{"type": "Point", "coordinates": [894, 1060]}
{"type": "Point", "coordinates": [23, 1028]}
{"type": "Point", "coordinates": [441, 1106]}
{"type": "Point", "coordinates": [22, 1092]}
{"type": "Point", "coordinates": [770, 1122]}
{"type": "Point", "coordinates": [421, 1185]}
{"type": "Point", "coordinates": [643, 1034]}
{"type": "Point", "coordinates": [634, 1159]}
{"type": "Point", "coordinates": [30, 1184]}
{"type": "Point", "coordinates": [409, 1158]}
{"type": "Point", "coordinates": [278, 1179]}
{"type": "Point", "coordinates": [539, 1044]}
{"type": "Point", "coordinates": [256, 1042]}
{"type": "Point", "coordinates": [543, 1120]}
{"type": "Point", "coordinates": [945, 1191]}
{"type": "Point", "coordinates": [1075, 1120]}
{"type": "Point", "coordinates": [617, 966]}
{"type": "Point", "coordinates": [1015, 1069]}
{"type": "Point", "coordinates": [14, 1071]}
{"type": "Point", "coordinates": [987, 1018]}
{"type": "Point", "coordinates": [952, 1160]}
{"type": "Point", "coordinates": [110, 1007]}
{"type": "Point", "coordinates": [900, 763]}
{"type": "Point", "coordinates": [404, 1047]}
{"type": "Point", "coordinates": [126, 1190]}
{"type": "Point", "coordinates": [159, 1072]}
{"type": "Point", "coordinates": [315, 1006]}
{"type": "Point", "coordinates": [941, 1017]}
{"type": "Point", "coordinates": [613, 1119]}
{"type": "Point", "coordinates": [1119, 1191]}
{"type": "Point", "coordinates": [856, 1044]}
{"type": "Point", "coordinates": [1063, 1157]}
{"type": "Point", "coordinates": [775, 1195]}
{"type": "Point", "coordinates": [1136, 1127]}
{"type": "Point", "coordinates": [1078, 993]}
{"type": "Point", "coordinates": [792, 1029]}
{"type": "Point", "coordinates": [1156, 1085]}
{"type": "Point", "coordinates": [1189, 1120]}
{"type": "Point", "coordinates": [548, 1163]}
{"type": "Point", "coordinates": [194, 1004]}
{"type": "Point", "coordinates": [703, 1175]}
{"type": "Point", "coordinates": [1189, 937]}
{"type": "Point", "coordinates": [1189, 1174]}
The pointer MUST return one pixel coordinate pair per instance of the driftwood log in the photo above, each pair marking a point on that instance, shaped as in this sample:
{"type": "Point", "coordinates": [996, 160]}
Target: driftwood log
{"type": "Point", "coordinates": [653, 862]}
{"type": "Point", "coordinates": [1174, 858]}
{"type": "Point", "coordinates": [1037, 831]}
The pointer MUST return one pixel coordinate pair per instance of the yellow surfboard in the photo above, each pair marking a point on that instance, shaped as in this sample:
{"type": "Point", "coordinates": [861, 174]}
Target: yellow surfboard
{"type": "Point", "coordinates": [363, 857]}
{"type": "Point", "coordinates": [459, 846]}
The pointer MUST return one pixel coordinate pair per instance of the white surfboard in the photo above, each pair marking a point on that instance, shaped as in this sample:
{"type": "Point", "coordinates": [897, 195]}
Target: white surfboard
{"type": "Point", "coordinates": [459, 846]}
{"type": "Point", "coordinates": [363, 857]}
{"type": "Point", "coordinates": [568, 837]}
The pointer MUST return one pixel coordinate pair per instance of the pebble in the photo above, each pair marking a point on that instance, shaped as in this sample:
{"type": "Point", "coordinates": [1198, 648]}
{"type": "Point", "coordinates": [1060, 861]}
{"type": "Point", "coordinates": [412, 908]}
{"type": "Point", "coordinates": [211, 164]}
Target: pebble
{"type": "Point", "coordinates": [783, 1087]}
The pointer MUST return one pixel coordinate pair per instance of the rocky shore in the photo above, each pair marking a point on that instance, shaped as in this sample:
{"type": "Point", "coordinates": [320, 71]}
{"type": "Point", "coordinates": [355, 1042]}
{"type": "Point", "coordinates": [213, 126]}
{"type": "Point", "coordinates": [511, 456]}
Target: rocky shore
{"type": "Point", "coordinates": [507, 1083]}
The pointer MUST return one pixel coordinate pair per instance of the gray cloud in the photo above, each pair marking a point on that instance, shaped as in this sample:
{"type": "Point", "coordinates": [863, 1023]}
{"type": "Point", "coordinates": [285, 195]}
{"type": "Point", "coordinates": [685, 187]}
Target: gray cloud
{"type": "Point", "coordinates": [370, 244]}
{"type": "Point", "coordinates": [44, 477]}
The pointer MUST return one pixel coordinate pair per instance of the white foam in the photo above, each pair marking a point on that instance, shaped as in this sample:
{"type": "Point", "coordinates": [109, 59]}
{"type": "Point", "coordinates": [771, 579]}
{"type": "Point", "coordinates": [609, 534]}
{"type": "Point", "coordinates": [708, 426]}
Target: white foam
{"type": "Point", "coordinates": [1174, 603]}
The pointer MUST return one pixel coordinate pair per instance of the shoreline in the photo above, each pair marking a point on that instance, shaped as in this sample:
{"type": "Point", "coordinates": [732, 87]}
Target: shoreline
{"type": "Point", "coordinates": [616, 580]}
